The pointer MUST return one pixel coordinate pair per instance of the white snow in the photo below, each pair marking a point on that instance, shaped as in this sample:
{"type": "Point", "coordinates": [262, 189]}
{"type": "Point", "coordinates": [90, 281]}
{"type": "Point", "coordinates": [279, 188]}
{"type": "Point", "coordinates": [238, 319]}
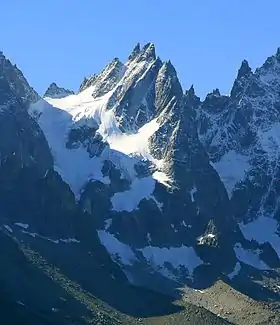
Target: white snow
{"type": "Point", "coordinates": [120, 252]}
{"type": "Point", "coordinates": [137, 145]}
{"type": "Point", "coordinates": [85, 109]}
{"type": "Point", "coordinates": [177, 256]}
{"type": "Point", "coordinates": [129, 200]}
{"type": "Point", "coordinates": [184, 223]}
{"type": "Point", "coordinates": [202, 238]}
{"type": "Point", "coordinates": [108, 223]}
{"type": "Point", "coordinates": [162, 178]}
{"type": "Point", "coordinates": [192, 193]}
{"type": "Point", "coordinates": [8, 228]}
{"type": "Point", "coordinates": [250, 257]}
{"type": "Point", "coordinates": [70, 240]}
{"type": "Point", "coordinates": [55, 241]}
{"type": "Point", "coordinates": [161, 259]}
{"type": "Point", "coordinates": [22, 225]}
{"type": "Point", "coordinates": [200, 291]}
{"type": "Point", "coordinates": [74, 165]}
{"type": "Point", "coordinates": [32, 234]}
{"type": "Point", "coordinates": [232, 169]}
{"type": "Point", "coordinates": [263, 229]}
{"type": "Point", "coordinates": [57, 116]}
{"type": "Point", "coordinates": [235, 271]}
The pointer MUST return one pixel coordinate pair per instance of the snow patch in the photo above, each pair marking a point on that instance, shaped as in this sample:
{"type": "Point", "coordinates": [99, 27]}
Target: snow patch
{"type": "Point", "coordinates": [108, 223]}
{"type": "Point", "coordinates": [250, 257]}
{"type": "Point", "coordinates": [202, 238]}
{"type": "Point", "coordinates": [263, 229]}
{"type": "Point", "coordinates": [8, 228]}
{"type": "Point", "coordinates": [162, 178]}
{"type": "Point", "coordinates": [232, 169]}
{"type": "Point", "coordinates": [22, 225]}
{"type": "Point", "coordinates": [119, 251]}
{"type": "Point", "coordinates": [129, 200]}
{"type": "Point", "coordinates": [192, 193]}
{"type": "Point", "coordinates": [184, 223]}
{"type": "Point", "coordinates": [235, 271]}
{"type": "Point", "coordinates": [134, 143]}
{"type": "Point", "coordinates": [54, 241]}
{"type": "Point", "coordinates": [69, 240]}
{"type": "Point", "coordinates": [177, 256]}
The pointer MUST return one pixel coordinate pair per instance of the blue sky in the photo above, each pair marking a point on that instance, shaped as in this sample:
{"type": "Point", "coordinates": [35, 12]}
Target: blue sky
{"type": "Point", "coordinates": [65, 40]}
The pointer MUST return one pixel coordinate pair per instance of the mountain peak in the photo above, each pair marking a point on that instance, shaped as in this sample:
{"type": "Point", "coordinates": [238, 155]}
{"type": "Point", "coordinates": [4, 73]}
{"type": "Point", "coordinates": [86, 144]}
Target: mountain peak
{"type": "Point", "coordinates": [168, 68]}
{"type": "Point", "coordinates": [216, 92]}
{"type": "Point", "coordinates": [2, 57]}
{"type": "Point", "coordinates": [191, 98]}
{"type": "Point", "coordinates": [54, 91]}
{"type": "Point", "coordinates": [191, 91]}
{"type": "Point", "coordinates": [135, 52]}
{"type": "Point", "coordinates": [243, 74]}
{"type": "Point", "coordinates": [16, 80]}
{"type": "Point", "coordinates": [244, 70]}
{"type": "Point", "coordinates": [148, 52]}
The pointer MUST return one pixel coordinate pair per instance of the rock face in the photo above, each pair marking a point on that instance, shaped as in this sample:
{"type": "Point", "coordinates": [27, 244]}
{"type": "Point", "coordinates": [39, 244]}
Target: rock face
{"type": "Point", "coordinates": [142, 149]}
{"type": "Point", "coordinates": [137, 179]}
{"type": "Point", "coordinates": [240, 133]}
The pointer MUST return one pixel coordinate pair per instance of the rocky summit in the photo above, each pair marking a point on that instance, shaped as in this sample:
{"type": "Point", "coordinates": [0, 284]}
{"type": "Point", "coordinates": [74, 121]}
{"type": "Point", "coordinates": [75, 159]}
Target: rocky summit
{"type": "Point", "coordinates": [128, 201]}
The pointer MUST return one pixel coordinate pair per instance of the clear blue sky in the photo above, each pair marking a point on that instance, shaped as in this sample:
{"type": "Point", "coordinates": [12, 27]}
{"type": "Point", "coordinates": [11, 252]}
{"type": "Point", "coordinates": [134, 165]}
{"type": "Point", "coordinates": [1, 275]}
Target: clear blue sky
{"type": "Point", "coordinates": [65, 40]}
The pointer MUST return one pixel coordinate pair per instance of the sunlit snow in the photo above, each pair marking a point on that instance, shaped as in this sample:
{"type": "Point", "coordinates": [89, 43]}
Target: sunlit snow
{"type": "Point", "coordinates": [74, 165]}
{"type": "Point", "coordinates": [56, 116]}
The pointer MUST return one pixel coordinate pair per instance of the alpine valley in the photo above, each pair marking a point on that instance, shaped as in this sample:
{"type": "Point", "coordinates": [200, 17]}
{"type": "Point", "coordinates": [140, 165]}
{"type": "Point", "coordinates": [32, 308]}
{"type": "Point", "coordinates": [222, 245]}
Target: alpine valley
{"type": "Point", "coordinates": [132, 201]}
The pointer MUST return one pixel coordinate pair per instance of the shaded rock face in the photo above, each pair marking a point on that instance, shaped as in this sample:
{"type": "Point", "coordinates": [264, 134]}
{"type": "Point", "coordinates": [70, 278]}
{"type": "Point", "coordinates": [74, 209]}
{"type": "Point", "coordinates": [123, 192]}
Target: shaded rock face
{"type": "Point", "coordinates": [21, 136]}
{"type": "Point", "coordinates": [13, 83]}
